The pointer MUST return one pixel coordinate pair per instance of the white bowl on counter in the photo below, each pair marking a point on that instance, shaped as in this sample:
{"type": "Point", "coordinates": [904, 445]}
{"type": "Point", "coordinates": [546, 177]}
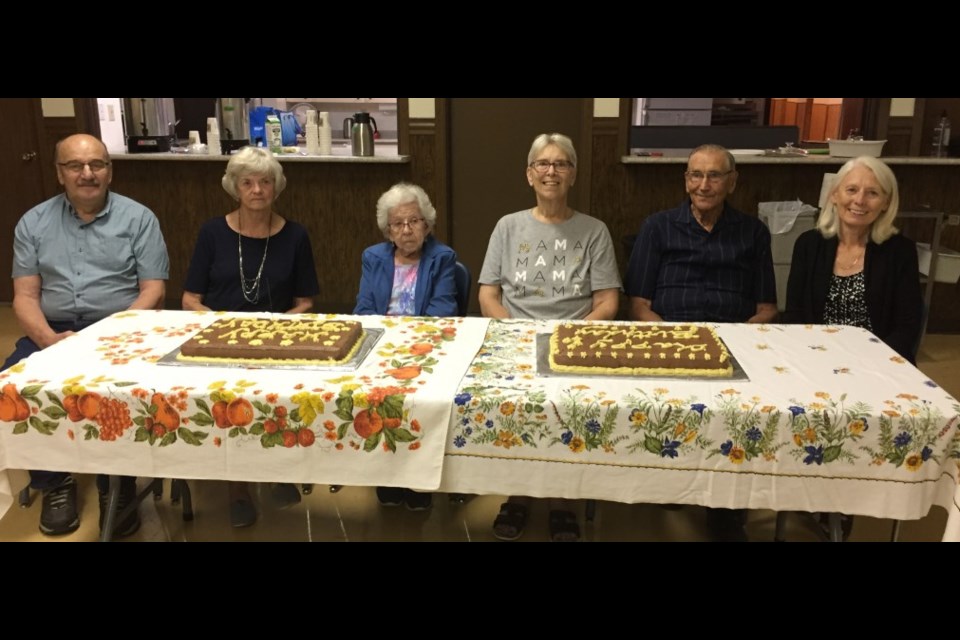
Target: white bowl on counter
{"type": "Point", "coordinates": [856, 148]}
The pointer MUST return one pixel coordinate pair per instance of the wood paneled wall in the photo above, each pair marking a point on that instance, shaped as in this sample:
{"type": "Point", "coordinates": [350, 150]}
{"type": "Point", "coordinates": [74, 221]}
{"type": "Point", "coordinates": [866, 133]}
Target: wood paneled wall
{"type": "Point", "coordinates": [336, 202]}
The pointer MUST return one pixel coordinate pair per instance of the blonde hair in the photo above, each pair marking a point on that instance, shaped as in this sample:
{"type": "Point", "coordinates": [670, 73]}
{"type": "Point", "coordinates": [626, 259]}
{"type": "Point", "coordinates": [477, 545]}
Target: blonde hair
{"type": "Point", "coordinates": [829, 222]}
{"type": "Point", "coordinates": [253, 161]}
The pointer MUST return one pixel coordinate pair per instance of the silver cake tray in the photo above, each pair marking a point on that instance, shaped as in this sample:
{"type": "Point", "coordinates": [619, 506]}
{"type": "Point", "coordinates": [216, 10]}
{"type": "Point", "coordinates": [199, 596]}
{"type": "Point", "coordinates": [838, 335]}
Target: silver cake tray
{"type": "Point", "coordinates": [370, 339]}
{"type": "Point", "coordinates": [545, 370]}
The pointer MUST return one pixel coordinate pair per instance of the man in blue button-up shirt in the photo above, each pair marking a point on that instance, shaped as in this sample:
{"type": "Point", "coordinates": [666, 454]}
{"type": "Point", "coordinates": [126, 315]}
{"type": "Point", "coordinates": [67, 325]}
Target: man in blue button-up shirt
{"type": "Point", "coordinates": [79, 257]}
{"type": "Point", "coordinates": [704, 261]}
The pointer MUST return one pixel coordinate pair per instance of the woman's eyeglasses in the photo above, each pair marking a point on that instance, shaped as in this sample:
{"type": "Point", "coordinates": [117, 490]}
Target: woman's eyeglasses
{"type": "Point", "coordinates": [413, 223]}
{"type": "Point", "coordinates": [560, 166]}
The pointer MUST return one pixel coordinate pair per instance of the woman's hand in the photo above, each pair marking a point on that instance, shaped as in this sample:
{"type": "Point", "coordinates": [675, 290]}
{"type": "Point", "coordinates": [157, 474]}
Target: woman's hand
{"type": "Point", "coordinates": [193, 302]}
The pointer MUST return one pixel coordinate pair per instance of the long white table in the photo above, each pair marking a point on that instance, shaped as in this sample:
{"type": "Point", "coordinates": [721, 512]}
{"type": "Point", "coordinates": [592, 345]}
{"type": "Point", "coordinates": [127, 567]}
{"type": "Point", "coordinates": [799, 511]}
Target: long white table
{"type": "Point", "coordinates": [830, 419]}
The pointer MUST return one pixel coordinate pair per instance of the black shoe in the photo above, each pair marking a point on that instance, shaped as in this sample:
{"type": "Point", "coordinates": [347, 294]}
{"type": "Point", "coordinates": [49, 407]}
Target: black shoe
{"type": "Point", "coordinates": [285, 495]}
{"type": "Point", "coordinates": [417, 501]}
{"type": "Point", "coordinates": [128, 496]}
{"type": "Point", "coordinates": [59, 514]}
{"type": "Point", "coordinates": [389, 496]}
{"type": "Point", "coordinates": [726, 525]}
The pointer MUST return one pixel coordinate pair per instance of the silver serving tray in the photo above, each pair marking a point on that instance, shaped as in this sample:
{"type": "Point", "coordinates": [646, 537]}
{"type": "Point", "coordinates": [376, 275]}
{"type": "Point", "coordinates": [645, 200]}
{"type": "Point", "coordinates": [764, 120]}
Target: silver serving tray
{"type": "Point", "coordinates": [370, 339]}
{"type": "Point", "coordinates": [545, 370]}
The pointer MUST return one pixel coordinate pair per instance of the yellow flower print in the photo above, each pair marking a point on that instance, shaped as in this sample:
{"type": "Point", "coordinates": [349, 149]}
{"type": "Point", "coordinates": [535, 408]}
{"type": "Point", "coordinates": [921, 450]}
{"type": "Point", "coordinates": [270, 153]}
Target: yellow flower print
{"type": "Point", "coordinates": [897, 359]}
{"type": "Point", "coordinates": [479, 417]}
{"type": "Point", "coordinates": [914, 461]}
{"type": "Point", "coordinates": [679, 429]}
{"type": "Point", "coordinates": [527, 367]}
{"type": "Point", "coordinates": [780, 369]}
{"type": "Point", "coordinates": [810, 434]}
{"type": "Point", "coordinates": [661, 391]}
{"type": "Point", "coordinates": [914, 411]}
{"type": "Point", "coordinates": [856, 427]}
{"type": "Point", "coordinates": [729, 392]}
{"type": "Point", "coordinates": [507, 439]}
{"type": "Point", "coordinates": [907, 396]}
{"type": "Point", "coordinates": [892, 414]}
{"type": "Point", "coordinates": [310, 405]}
{"type": "Point", "coordinates": [736, 455]}
{"type": "Point", "coordinates": [638, 418]}
{"type": "Point", "coordinates": [797, 440]}
{"type": "Point", "coordinates": [361, 400]}
{"type": "Point", "coordinates": [767, 408]}
{"type": "Point", "coordinates": [817, 406]}
{"type": "Point", "coordinates": [763, 347]}
{"type": "Point", "coordinates": [580, 387]}
{"type": "Point", "coordinates": [823, 395]}
{"type": "Point", "coordinates": [353, 386]}
{"type": "Point", "coordinates": [675, 402]}
{"type": "Point", "coordinates": [576, 445]}
{"type": "Point", "coordinates": [507, 408]}
{"type": "Point", "coordinates": [691, 435]}
{"type": "Point", "coordinates": [18, 368]}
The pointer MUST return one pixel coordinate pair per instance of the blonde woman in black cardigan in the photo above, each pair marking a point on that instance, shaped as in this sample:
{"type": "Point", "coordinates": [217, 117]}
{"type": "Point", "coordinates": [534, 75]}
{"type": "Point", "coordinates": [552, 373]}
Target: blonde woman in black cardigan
{"type": "Point", "coordinates": [854, 268]}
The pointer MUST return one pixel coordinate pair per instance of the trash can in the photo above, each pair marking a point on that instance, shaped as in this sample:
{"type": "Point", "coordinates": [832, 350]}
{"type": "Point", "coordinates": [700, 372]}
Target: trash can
{"type": "Point", "coordinates": [786, 221]}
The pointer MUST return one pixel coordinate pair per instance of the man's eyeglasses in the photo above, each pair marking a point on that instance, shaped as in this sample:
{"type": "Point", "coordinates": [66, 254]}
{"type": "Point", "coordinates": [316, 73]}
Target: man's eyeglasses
{"type": "Point", "coordinates": [711, 176]}
{"type": "Point", "coordinates": [560, 166]}
{"type": "Point", "coordinates": [413, 223]}
{"type": "Point", "coordinates": [76, 166]}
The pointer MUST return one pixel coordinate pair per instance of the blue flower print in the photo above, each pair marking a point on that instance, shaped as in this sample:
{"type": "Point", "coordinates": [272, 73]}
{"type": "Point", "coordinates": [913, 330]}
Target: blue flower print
{"type": "Point", "coordinates": [726, 447]}
{"type": "Point", "coordinates": [460, 442]}
{"type": "Point", "coordinates": [902, 439]}
{"type": "Point", "coordinates": [566, 437]}
{"type": "Point", "coordinates": [926, 453]}
{"type": "Point", "coordinates": [468, 431]}
{"type": "Point", "coordinates": [669, 449]}
{"type": "Point", "coordinates": [814, 454]}
{"type": "Point", "coordinates": [593, 426]}
{"type": "Point", "coordinates": [698, 407]}
{"type": "Point", "coordinates": [754, 434]}
{"type": "Point", "coordinates": [796, 411]}
{"type": "Point", "coordinates": [462, 398]}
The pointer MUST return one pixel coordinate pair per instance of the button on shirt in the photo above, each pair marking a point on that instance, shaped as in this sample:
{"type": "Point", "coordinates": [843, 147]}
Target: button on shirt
{"type": "Point", "coordinates": [89, 270]}
{"type": "Point", "coordinates": [691, 274]}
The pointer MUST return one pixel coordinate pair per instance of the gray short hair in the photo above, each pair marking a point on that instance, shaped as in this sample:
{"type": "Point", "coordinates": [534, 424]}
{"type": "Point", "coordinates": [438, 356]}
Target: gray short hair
{"type": "Point", "coordinates": [249, 161]}
{"type": "Point", "coordinates": [731, 161]}
{"type": "Point", "coordinates": [402, 193]}
{"type": "Point", "coordinates": [559, 140]}
{"type": "Point", "coordinates": [829, 222]}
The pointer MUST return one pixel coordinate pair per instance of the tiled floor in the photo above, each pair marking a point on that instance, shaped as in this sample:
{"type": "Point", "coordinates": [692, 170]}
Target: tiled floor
{"type": "Point", "coordinates": [353, 513]}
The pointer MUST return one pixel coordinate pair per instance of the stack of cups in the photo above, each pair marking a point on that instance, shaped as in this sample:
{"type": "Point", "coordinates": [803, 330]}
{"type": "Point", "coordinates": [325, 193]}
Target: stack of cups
{"type": "Point", "coordinates": [312, 133]}
{"type": "Point", "coordinates": [325, 136]}
{"type": "Point", "coordinates": [213, 137]}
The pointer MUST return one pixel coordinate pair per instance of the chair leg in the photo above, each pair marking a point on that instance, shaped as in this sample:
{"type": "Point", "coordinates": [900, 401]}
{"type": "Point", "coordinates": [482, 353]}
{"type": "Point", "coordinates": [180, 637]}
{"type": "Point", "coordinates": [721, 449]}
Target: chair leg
{"type": "Point", "coordinates": [25, 498]}
{"type": "Point", "coordinates": [334, 488]}
{"type": "Point", "coordinates": [590, 510]}
{"type": "Point", "coordinates": [307, 489]}
{"type": "Point", "coordinates": [895, 534]}
{"type": "Point", "coordinates": [158, 488]}
{"type": "Point", "coordinates": [834, 521]}
{"type": "Point", "coordinates": [181, 490]}
{"type": "Point", "coordinates": [781, 525]}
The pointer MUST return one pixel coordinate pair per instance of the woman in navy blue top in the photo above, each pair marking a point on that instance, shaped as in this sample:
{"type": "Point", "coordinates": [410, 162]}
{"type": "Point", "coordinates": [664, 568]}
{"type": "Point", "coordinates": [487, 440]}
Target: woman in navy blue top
{"type": "Point", "coordinates": [252, 259]}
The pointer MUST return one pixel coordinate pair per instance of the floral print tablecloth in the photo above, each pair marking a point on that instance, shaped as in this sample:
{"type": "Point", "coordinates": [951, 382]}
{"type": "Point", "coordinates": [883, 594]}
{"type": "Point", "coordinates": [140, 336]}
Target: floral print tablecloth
{"type": "Point", "coordinates": [99, 402]}
{"type": "Point", "coordinates": [830, 420]}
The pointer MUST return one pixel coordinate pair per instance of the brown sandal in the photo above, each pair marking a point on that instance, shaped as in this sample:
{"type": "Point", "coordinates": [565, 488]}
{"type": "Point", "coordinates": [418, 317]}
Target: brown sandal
{"type": "Point", "coordinates": [510, 522]}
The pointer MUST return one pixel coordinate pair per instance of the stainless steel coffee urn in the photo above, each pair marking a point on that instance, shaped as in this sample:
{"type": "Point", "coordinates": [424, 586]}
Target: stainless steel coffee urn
{"type": "Point", "coordinates": [150, 124]}
{"type": "Point", "coordinates": [234, 117]}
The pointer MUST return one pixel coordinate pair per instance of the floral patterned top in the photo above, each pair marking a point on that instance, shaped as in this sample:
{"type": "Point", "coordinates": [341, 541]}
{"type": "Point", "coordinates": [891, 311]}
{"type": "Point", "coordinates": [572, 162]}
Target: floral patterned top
{"type": "Point", "coordinates": [402, 298]}
{"type": "Point", "coordinates": [847, 302]}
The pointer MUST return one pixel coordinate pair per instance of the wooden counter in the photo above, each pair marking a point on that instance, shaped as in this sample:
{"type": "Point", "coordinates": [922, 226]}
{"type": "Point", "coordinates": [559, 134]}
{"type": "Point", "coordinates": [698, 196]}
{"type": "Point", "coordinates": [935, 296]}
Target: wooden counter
{"type": "Point", "coordinates": [333, 197]}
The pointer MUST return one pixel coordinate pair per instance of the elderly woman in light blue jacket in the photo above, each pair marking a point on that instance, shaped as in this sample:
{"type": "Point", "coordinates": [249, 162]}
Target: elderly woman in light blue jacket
{"type": "Point", "coordinates": [412, 273]}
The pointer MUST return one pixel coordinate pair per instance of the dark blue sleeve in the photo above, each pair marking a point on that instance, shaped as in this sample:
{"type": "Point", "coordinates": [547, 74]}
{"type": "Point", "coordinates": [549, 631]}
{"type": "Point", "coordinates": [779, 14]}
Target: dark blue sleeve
{"type": "Point", "coordinates": [204, 253]}
{"type": "Point", "coordinates": [442, 301]}
{"type": "Point", "coordinates": [366, 304]}
{"type": "Point", "coordinates": [766, 282]}
{"type": "Point", "coordinates": [305, 270]}
{"type": "Point", "coordinates": [644, 265]}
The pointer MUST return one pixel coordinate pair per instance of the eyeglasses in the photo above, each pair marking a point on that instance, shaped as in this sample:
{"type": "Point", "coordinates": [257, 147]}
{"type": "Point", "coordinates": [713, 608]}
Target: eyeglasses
{"type": "Point", "coordinates": [76, 166]}
{"type": "Point", "coordinates": [560, 166]}
{"type": "Point", "coordinates": [711, 176]}
{"type": "Point", "coordinates": [413, 223]}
